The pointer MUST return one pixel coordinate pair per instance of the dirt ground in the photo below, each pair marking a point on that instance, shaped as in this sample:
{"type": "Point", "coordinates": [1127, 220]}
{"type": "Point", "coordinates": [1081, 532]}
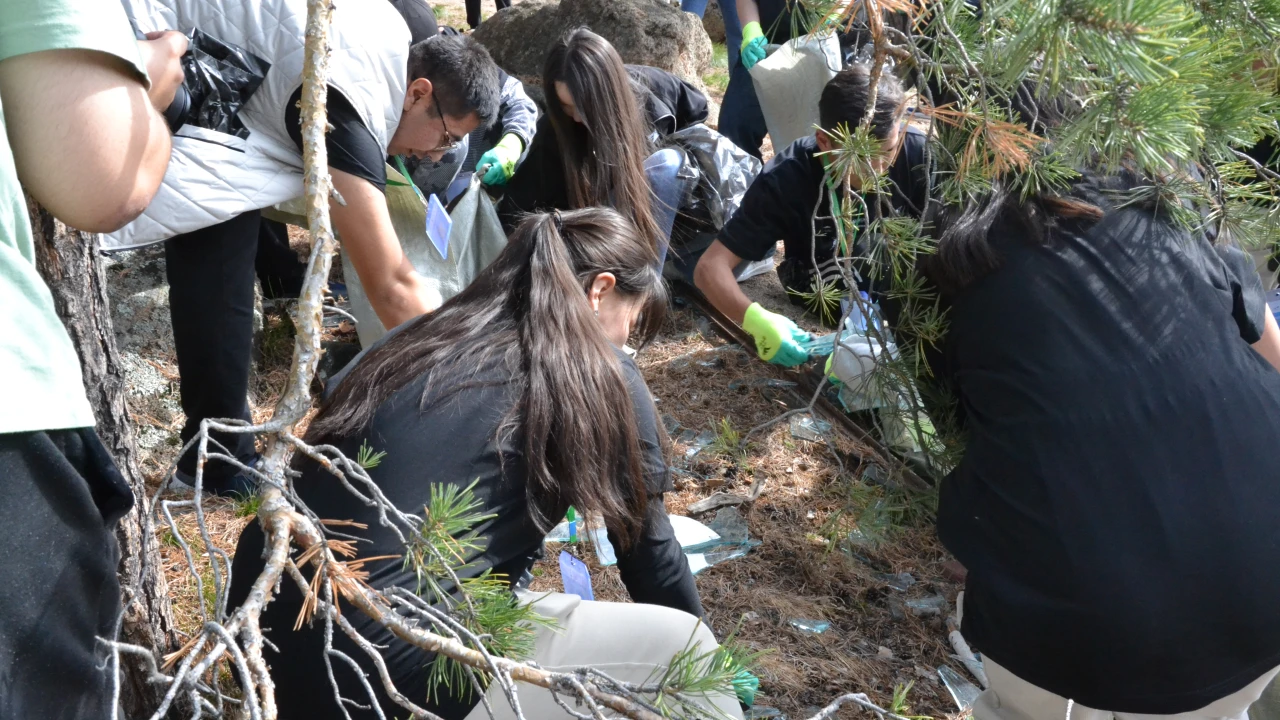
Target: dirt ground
{"type": "Point", "coordinates": [797, 573]}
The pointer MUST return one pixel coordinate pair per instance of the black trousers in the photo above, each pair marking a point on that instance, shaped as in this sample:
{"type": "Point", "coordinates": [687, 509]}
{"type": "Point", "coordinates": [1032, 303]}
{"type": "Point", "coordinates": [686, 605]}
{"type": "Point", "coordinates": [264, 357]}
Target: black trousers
{"type": "Point", "coordinates": [63, 497]}
{"type": "Point", "coordinates": [211, 274]}
{"type": "Point", "coordinates": [473, 11]}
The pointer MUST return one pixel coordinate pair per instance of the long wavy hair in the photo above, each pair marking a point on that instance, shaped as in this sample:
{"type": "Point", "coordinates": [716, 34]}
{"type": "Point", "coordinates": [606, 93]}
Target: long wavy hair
{"type": "Point", "coordinates": [527, 313]}
{"type": "Point", "coordinates": [604, 155]}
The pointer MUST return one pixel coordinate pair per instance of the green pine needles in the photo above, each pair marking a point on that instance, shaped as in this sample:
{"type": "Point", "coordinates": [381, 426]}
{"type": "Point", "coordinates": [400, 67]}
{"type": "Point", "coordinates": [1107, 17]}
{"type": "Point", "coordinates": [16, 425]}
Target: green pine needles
{"type": "Point", "coordinates": [446, 543]}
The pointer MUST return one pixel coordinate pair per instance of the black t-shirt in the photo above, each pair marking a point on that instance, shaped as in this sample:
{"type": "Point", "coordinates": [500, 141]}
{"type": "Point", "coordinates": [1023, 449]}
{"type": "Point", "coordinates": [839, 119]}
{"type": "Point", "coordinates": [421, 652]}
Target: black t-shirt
{"type": "Point", "coordinates": [780, 204]}
{"type": "Point", "coordinates": [1117, 502]}
{"type": "Point", "coordinates": [454, 442]}
{"type": "Point", "coordinates": [352, 148]}
{"type": "Point", "coordinates": [776, 18]}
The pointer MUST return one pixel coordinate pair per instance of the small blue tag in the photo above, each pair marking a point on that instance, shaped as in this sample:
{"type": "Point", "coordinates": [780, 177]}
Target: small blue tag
{"type": "Point", "coordinates": [438, 225]}
{"type": "Point", "coordinates": [576, 576]}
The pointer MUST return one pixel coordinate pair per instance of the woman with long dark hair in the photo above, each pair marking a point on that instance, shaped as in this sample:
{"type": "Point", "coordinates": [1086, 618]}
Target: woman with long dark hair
{"type": "Point", "coordinates": [515, 387]}
{"type": "Point", "coordinates": [1117, 502]}
{"type": "Point", "coordinates": [592, 148]}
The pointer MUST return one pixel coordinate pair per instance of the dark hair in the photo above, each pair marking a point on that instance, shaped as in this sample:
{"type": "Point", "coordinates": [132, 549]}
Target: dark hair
{"type": "Point", "coordinates": [965, 253]}
{"type": "Point", "coordinates": [463, 76]}
{"type": "Point", "coordinates": [844, 100]}
{"type": "Point", "coordinates": [527, 313]}
{"type": "Point", "coordinates": [420, 18]}
{"type": "Point", "coordinates": [604, 156]}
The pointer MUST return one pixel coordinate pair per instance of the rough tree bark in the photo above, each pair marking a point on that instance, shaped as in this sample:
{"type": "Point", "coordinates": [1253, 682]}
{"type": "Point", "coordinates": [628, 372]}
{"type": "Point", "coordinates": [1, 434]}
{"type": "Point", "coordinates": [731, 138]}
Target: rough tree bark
{"type": "Point", "coordinates": [70, 263]}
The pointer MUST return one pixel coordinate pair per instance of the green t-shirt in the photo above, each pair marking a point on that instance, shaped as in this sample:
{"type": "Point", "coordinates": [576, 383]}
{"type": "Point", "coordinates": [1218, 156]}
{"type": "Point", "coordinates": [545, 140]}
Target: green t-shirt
{"type": "Point", "coordinates": [43, 387]}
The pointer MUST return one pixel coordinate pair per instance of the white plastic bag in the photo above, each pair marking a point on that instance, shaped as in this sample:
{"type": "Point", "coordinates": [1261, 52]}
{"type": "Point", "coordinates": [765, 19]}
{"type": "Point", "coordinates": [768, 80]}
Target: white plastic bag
{"type": "Point", "coordinates": [789, 83]}
{"type": "Point", "coordinates": [475, 240]}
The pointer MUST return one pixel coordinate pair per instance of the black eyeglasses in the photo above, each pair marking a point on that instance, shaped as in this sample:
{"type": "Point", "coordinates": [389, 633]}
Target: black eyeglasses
{"type": "Point", "coordinates": [450, 142]}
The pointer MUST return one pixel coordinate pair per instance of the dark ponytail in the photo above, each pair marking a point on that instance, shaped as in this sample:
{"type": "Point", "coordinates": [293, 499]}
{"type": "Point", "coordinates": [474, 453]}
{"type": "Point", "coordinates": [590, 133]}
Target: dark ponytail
{"type": "Point", "coordinates": [528, 313]}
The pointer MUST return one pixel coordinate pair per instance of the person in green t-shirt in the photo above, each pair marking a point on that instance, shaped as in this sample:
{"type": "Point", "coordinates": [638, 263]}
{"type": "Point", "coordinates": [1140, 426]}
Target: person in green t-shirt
{"type": "Point", "coordinates": [78, 105]}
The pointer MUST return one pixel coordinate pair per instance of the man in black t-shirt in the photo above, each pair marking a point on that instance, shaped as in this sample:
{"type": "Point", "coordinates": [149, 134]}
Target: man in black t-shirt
{"type": "Point", "coordinates": [452, 89]}
{"type": "Point", "coordinates": [789, 201]}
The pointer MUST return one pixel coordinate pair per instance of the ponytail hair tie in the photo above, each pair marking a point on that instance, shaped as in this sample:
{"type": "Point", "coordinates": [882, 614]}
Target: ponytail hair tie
{"type": "Point", "coordinates": [555, 216]}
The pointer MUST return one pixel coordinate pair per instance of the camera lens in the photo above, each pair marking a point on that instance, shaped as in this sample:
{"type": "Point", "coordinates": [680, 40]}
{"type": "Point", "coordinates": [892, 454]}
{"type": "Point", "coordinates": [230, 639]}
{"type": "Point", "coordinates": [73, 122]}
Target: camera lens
{"type": "Point", "coordinates": [178, 110]}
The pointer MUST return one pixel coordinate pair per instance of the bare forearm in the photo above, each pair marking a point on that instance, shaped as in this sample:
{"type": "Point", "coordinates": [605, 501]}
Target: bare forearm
{"type": "Point", "coordinates": [1269, 345]}
{"type": "Point", "coordinates": [747, 12]}
{"type": "Point", "coordinates": [86, 140]}
{"type": "Point", "coordinates": [714, 277]}
{"type": "Point", "coordinates": [394, 288]}
{"type": "Point", "coordinates": [400, 300]}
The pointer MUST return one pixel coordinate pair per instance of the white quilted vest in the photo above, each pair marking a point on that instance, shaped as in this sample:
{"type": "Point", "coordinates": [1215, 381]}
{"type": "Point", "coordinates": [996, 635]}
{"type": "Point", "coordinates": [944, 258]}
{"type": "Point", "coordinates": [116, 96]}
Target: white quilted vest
{"type": "Point", "coordinates": [213, 177]}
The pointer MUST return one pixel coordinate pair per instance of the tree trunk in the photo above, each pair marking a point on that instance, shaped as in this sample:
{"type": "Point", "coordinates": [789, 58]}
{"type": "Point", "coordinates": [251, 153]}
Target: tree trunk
{"type": "Point", "coordinates": [70, 263]}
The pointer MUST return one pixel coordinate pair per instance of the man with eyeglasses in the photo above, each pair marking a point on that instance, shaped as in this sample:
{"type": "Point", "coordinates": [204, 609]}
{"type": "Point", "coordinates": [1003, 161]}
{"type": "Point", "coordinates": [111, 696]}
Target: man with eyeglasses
{"type": "Point", "coordinates": [387, 96]}
{"type": "Point", "coordinates": [790, 201]}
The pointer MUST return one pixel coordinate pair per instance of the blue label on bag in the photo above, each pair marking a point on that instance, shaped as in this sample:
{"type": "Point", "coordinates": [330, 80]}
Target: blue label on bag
{"type": "Point", "coordinates": [438, 225]}
{"type": "Point", "coordinates": [576, 576]}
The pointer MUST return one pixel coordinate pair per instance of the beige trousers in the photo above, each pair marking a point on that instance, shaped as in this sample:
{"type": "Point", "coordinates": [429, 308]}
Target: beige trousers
{"type": "Point", "coordinates": [627, 641]}
{"type": "Point", "coordinates": [1012, 698]}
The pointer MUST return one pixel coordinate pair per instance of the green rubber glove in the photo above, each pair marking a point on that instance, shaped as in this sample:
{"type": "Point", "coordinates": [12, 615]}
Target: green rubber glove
{"type": "Point", "coordinates": [831, 377]}
{"type": "Point", "coordinates": [745, 686]}
{"type": "Point", "coordinates": [776, 337]}
{"type": "Point", "coordinates": [501, 160]}
{"type": "Point", "coordinates": [754, 45]}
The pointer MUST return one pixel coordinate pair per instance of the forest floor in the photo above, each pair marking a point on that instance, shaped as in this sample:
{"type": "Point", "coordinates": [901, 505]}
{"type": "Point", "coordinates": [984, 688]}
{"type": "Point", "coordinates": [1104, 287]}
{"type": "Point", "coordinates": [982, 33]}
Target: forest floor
{"type": "Point", "coordinates": [805, 568]}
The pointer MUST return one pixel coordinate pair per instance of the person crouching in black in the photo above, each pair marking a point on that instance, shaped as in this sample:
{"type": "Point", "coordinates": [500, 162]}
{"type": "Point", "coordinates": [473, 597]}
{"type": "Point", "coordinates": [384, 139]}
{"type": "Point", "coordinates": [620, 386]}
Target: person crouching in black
{"type": "Point", "coordinates": [518, 388]}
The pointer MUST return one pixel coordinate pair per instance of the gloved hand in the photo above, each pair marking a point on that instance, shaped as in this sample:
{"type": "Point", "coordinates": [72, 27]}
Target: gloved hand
{"type": "Point", "coordinates": [777, 338]}
{"type": "Point", "coordinates": [745, 686]}
{"type": "Point", "coordinates": [754, 45]}
{"type": "Point", "coordinates": [501, 159]}
{"type": "Point", "coordinates": [831, 376]}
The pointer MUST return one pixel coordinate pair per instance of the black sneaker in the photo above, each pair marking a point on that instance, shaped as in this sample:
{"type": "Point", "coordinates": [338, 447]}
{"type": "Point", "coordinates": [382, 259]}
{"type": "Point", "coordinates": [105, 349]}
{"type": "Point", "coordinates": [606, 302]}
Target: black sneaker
{"type": "Point", "coordinates": [238, 486]}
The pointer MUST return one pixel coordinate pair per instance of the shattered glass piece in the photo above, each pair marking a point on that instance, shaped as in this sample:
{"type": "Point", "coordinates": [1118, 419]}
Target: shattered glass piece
{"type": "Point", "coordinates": [764, 712]}
{"type": "Point", "coordinates": [858, 538]}
{"type": "Point", "coordinates": [671, 424]}
{"type": "Point", "coordinates": [897, 581]}
{"type": "Point", "coordinates": [729, 525]}
{"type": "Point", "coordinates": [922, 607]}
{"type": "Point", "coordinates": [715, 363]}
{"type": "Point", "coordinates": [896, 609]}
{"type": "Point", "coordinates": [700, 442]}
{"type": "Point", "coordinates": [761, 382]}
{"type": "Point", "coordinates": [819, 345]}
{"type": "Point", "coordinates": [604, 549]}
{"type": "Point", "coordinates": [963, 692]}
{"type": "Point", "coordinates": [559, 533]}
{"type": "Point", "coordinates": [816, 627]}
{"type": "Point", "coordinates": [805, 427]}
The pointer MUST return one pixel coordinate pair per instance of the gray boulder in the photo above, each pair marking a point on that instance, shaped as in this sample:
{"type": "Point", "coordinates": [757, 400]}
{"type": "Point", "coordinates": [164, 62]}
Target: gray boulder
{"type": "Point", "coordinates": [645, 32]}
{"type": "Point", "coordinates": [713, 21]}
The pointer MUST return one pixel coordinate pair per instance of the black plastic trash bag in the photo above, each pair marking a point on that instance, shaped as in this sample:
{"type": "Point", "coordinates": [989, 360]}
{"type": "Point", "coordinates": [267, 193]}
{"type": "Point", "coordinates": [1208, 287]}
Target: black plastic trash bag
{"type": "Point", "coordinates": [219, 78]}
